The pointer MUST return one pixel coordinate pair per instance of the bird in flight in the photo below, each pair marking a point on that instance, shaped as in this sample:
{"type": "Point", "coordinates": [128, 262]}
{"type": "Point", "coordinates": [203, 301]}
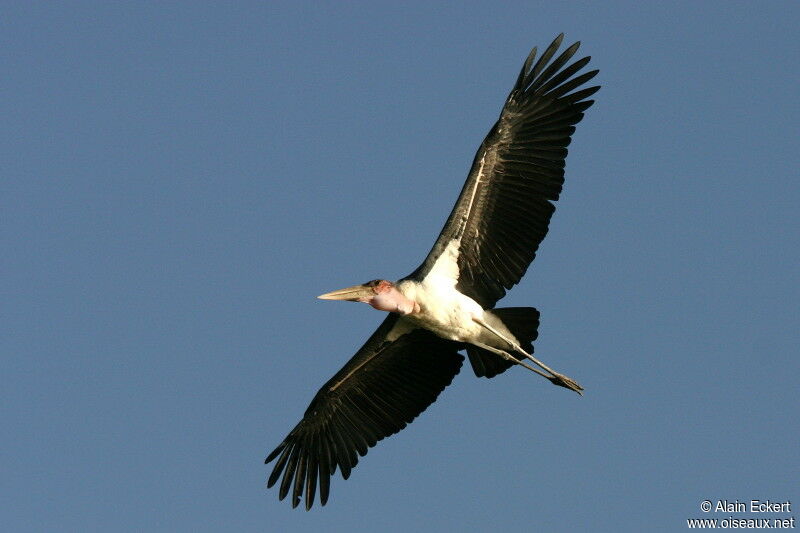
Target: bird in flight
{"type": "Point", "coordinates": [448, 303]}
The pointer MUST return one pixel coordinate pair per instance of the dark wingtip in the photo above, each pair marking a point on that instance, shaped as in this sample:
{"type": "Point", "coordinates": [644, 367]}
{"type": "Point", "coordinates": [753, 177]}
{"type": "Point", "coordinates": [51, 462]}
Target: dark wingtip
{"type": "Point", "coordinates": [271, 457]}
{"type": "Point", "coordinates": [526, 66]}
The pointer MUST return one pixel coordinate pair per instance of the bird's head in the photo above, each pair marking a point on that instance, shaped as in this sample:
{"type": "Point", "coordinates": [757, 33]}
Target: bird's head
{"type": "Point", "coordinates": [379, 293]}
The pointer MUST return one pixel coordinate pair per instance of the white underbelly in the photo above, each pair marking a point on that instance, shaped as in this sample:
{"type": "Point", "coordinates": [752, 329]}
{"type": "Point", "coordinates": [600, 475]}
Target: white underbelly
{"type": "Point", "coordinates": [443, 310]}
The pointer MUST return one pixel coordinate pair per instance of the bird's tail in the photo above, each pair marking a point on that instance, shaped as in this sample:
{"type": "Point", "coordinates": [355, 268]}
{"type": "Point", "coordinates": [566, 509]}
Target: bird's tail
{"type": "Point", "coordinates": [523, 323]}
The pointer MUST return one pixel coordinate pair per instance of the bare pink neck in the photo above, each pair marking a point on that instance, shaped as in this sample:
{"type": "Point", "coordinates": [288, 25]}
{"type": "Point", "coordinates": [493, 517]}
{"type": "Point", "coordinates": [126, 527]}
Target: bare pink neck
{"type": "Point", "coordinates": [393, 301]}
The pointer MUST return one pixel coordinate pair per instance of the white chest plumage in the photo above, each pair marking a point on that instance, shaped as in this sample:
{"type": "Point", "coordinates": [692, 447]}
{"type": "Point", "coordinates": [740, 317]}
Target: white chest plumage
{"type": "Point", "coordinates": [443, 309]}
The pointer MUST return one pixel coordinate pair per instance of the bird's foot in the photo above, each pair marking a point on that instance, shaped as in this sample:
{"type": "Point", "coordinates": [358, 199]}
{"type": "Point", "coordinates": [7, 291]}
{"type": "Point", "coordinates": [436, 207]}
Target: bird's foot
{"type": "Point", "coordinates": [563, 381]}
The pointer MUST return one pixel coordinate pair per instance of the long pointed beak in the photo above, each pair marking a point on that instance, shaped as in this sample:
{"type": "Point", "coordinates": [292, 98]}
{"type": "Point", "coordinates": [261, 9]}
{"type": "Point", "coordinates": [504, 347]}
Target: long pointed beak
{"type": "Point", "coordinates": [355, 293]}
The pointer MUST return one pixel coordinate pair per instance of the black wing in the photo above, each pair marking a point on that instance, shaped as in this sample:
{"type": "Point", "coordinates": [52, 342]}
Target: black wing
{"type": "Point", "coordinates": [505, 206]}
{"type": "Point", "coordinates": [382, 388]}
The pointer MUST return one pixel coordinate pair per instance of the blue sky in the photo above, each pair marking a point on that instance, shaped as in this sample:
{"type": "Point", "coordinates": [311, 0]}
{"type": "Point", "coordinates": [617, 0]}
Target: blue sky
{"type": "Point", "coordinates": [180, 180]}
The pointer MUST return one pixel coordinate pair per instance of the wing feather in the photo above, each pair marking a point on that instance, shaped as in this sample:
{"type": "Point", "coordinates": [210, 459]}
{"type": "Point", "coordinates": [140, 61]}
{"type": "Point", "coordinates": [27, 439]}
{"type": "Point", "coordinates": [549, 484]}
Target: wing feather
{"type": "Point", "coordinates": [504, 209]}
{"type": "Point", "coordinates": [384, 387]}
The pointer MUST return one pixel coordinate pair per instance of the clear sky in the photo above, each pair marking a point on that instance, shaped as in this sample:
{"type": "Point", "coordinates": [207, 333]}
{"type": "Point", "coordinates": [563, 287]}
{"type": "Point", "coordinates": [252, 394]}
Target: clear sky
{"type": "Point", "coordinates": [180, 180]}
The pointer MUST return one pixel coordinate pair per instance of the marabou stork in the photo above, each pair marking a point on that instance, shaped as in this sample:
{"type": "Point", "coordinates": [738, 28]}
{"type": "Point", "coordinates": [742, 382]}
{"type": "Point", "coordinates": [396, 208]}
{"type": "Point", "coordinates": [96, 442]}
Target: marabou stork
{"type": "Point", "coordinates": [447, 304]}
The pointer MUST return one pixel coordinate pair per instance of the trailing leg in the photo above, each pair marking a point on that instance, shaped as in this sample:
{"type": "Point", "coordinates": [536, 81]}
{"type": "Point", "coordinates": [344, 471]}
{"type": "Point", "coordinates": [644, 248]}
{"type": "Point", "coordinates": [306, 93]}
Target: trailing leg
{"type": "Point", "coordinates": [555, 377]}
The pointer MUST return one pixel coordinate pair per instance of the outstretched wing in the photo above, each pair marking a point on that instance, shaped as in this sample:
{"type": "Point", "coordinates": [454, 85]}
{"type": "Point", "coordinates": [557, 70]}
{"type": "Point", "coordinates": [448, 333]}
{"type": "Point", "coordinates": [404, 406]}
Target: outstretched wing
{"type": "Point", "coordinates": [395, 376]}
{"type": "Point", "coordinates": [505, 206]}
